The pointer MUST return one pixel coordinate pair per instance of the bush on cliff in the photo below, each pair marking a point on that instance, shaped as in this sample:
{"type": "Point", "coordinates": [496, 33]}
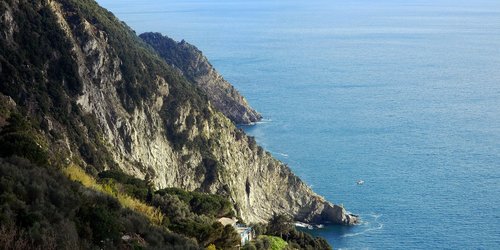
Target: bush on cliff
{"type": "Point", "coordinates": [201, 203]}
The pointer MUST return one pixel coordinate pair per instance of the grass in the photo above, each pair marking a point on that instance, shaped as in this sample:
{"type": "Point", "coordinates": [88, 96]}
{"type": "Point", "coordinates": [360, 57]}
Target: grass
{"type": "Point", "coordinates": [277, 243]}
{"type": "Point", "coordinates": [75, 173]}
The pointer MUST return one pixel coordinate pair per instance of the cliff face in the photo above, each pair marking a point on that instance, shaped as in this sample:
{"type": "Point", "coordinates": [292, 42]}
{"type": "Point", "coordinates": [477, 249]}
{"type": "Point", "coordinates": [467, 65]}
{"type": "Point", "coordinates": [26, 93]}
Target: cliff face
{"type": "Point", "coordinates": [105, 100]}
{"type": "Point", "coordinates": [197, 69]}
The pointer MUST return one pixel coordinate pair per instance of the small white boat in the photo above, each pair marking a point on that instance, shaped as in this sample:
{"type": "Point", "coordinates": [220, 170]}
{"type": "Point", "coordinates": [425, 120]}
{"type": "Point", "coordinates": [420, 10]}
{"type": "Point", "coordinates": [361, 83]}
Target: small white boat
{"type": "Point", "coordinates": [301, 224]}
{"type": "Point", "coordinates": [320, 226]}
{"type": "Point", "coordinates": [304, 225]}
{"type": "Point", "coordinates": [360, 182]}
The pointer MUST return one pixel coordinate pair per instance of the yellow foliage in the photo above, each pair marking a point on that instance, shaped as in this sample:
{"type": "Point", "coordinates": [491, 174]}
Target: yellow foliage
{"type": "Point", "coordinates": [211, 247]}
{"type": "Point", "coordinates": [75, 173]}
{"type": "Point", "coordinates": [154, 214]}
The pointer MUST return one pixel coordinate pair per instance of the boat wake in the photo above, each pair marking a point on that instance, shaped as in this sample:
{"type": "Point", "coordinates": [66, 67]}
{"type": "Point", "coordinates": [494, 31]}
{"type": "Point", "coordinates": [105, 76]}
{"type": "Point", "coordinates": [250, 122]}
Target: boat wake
{"type": "Point", "coordinates": [283, 154]}
{"type": "Point", "coordinates": [279, 153]}
{"type": "Point", "coordinates": [263, 121]}
{"type": "Point", "coordinates": [369, 225]}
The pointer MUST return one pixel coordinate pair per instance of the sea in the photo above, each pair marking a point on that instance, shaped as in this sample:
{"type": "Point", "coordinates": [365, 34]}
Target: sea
{"type": "Point", "coordinates": [402, 94]}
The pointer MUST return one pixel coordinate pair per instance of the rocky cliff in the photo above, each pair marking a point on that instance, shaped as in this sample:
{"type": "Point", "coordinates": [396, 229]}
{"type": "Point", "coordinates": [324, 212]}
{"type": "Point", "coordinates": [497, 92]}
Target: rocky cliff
{"type": "Point", "coordinates": [103, 99]}
{"type": "Point", "coordinates": [195, 67]}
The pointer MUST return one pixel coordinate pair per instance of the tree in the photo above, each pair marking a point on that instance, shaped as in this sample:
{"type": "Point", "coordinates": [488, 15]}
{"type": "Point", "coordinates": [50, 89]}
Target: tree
{"type": "Point", "coordinates": [229, 238]}
{"type": "Point", "coordinates": [279, 225]}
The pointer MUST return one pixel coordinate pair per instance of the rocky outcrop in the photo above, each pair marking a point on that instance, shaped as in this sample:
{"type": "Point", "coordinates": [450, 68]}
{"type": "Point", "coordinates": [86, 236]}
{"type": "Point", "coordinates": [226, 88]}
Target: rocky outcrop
{"type": "Point", "coordinates": [7, 23]}
{"type": "Point", "coordinates": [103, 91]}
{"type": "Point", "coordinates": [197, 69]}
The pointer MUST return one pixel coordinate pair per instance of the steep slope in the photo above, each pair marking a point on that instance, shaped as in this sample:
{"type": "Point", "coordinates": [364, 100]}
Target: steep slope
{"type": "Point", "coordinates": [197, 69]}
{"type": "Point", "coordinates": [104, 100]}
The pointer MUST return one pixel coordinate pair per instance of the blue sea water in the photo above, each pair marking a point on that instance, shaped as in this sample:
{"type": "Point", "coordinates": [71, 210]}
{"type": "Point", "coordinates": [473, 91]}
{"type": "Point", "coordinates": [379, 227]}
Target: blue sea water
{"type": "Point", "coordinates": [403, 94]}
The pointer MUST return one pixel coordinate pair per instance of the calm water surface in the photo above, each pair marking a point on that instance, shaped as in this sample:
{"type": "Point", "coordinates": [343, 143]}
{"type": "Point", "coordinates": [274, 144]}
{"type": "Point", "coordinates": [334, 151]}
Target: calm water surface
{"type": "Point", "coordinates": [404, 94]}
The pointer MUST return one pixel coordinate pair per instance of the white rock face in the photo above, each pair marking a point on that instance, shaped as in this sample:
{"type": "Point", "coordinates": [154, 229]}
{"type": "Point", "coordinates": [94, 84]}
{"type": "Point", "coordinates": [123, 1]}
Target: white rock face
{"type": "Point", "coordinates": [227, 162]}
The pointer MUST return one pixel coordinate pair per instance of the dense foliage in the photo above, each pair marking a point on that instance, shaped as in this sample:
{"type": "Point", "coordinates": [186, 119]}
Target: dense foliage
{"type": "Point", "coordinates": [201, 203]}
{"type": "Point", "coordinates": [188, 213]}
{"type": "Point", "coordinates": [193, 214]}
{"type": "Point", "coordinates": [18, 138]}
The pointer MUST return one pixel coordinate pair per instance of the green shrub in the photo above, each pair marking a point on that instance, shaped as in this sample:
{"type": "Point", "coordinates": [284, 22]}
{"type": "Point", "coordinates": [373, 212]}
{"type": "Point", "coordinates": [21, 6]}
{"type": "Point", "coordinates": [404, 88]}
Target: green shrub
{"type": "Point", "coordinates": [201, 203]}
{"type": "Point", "coordinates": [275, 243]}
{"type": "Point", "coordinates": [19, 138]}
{"type": "Point", "coordinates": [102, 220]}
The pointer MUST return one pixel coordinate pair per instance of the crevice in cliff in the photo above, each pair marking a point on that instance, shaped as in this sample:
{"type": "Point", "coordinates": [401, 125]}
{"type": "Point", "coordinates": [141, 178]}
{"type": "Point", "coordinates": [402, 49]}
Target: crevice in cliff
{"type": "Point", "coordinates": [247, 188]}
{"type": "Point", "coordinates": [211, 173]}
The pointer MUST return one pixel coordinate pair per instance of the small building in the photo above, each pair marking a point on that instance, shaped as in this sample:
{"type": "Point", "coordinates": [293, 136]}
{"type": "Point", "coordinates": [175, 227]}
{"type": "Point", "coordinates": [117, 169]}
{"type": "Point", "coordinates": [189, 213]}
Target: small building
{"type": "Point", "coordinates": [245, 232]}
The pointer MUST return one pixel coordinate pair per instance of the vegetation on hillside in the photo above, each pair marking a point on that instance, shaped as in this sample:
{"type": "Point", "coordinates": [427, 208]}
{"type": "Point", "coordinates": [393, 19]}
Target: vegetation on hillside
{"type": "Point", "coordinates": [38, 203]}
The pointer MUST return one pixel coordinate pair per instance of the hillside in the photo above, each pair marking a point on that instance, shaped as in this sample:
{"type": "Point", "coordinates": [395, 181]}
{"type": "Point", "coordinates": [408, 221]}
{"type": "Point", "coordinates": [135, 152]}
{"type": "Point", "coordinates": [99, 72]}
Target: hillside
{"type": "Point", "coordinates": [98, 97]}
{"type": "Point", "coordinates": [196, 68]}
